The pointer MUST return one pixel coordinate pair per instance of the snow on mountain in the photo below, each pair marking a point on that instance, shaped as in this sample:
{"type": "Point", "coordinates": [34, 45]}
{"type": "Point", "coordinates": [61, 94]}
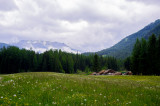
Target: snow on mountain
{"type": "Point", "coordinates": [42, 46]}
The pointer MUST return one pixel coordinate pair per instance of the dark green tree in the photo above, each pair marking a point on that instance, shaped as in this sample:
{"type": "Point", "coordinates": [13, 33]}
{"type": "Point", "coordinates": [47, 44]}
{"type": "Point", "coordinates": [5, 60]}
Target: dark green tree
{"type": "Point", "coordinates": [143, 57]}
{"type": "Point", "coordinates": [135, 57]}
{"type": "Point", "coordinates": [70, 64]}
{"type": "Point", "coordinates": [44, 65]}
{"type": "Point", "coordinates": [158, 57]}
{"type": "Point", "coordinates": [96, 65]}
{"type": "Point", "coordinates": [127, 63]}
{"type": "Point", "coordinates": [151, 55]}
{"type": "Point", "coordinates": [112, 63]}
{"type": "Point", "coordinates": [35, 63]}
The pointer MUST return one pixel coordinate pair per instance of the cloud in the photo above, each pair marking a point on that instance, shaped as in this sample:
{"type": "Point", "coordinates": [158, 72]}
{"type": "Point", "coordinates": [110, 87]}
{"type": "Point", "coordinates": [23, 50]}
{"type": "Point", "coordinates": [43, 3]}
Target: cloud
{"type": "Point", "coordinates": [155, 2]}
{"type": "Point", "coordinates": [7, 5]}
{"type": "Point", "coordinates": [88, 25]}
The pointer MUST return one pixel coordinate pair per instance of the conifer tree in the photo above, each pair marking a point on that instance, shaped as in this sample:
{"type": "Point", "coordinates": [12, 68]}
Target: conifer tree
{"type": "Point", "coordinates": [44, 66]}
{"type": "Point", "coordinates": [35, 63]}
{"type": "Point", "coordinates": [151, 54]}
{"type": "Point", "coordinates": [158, 57]}
{"type": "Point", "coordinates": [135, 57]}
{"type": "Point", "coordinates": [96, 66]}
{"type": "Point", "coordinates": [143, 57]}
{"type": "Point", "coordinates": [70, 65]}
{"type": "Point", "coordinates": [127, 63]}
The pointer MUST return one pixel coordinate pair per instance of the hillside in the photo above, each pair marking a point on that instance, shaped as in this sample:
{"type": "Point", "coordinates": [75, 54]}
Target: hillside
{"type": "Point", "coordinates": [48, 89]}
{"type": "Point", "coordinates": [124, 48]}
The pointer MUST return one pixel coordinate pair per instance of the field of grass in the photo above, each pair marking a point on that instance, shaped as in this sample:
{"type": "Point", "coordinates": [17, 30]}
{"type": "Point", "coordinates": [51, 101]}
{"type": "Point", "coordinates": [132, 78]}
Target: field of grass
{"type": "Point", "coordinates": [47, 89]}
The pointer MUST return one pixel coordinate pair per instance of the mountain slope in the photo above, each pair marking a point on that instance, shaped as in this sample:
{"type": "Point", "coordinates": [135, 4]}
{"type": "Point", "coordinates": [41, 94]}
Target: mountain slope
{"type": "Point", "coordinates": [42, 46]}
{"type": "Point", "coordinates": [124, 48]}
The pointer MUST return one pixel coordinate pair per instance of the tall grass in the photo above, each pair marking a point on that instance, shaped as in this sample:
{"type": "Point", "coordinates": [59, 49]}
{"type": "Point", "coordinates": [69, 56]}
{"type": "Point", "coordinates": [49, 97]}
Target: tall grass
{"type": "Point", "coordinates": [49, 89]}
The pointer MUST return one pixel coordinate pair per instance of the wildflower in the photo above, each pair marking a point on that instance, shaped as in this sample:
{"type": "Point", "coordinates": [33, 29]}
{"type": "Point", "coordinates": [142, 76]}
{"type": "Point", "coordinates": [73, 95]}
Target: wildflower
{"type": "Point", "coordinates": [1, 97]}
{"type": "Point", "coordinates": [54, 103]}
{"type": "Point", "coordinates": [117, 99]}
{"type": "Point", "coordinates": [14, 95]}
{"type": "Point", "coordinates": [100, 94]}
{"type": "Point", "coordinates": [94, 90]}
{"type": "Point", "coordinates": [81, 103]}
{"type": "Point", "coordinates": [85, 99]}
{"type": "Point", "coordinates": [104, 96]}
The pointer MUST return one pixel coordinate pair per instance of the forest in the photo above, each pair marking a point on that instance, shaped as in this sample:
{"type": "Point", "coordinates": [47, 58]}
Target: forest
{"type": "Point", "coordinates": [145, 60]}
{"type": "Point", "coordinates": [15, 60]}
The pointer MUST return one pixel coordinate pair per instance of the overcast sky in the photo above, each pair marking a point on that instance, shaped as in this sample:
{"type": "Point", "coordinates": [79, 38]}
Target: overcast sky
{"type": "Point", "coordinates": [87, 25]}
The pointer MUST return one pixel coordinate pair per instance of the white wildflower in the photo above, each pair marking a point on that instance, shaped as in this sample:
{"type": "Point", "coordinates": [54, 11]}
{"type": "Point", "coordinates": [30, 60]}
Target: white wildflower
{"type": "Point", "coordinates": [54, 103]}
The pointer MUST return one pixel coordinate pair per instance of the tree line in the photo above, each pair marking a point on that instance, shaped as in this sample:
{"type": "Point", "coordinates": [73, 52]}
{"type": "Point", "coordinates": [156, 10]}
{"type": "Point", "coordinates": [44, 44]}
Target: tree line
{"type": "Point", "coordinates": [15, 60]}
{"type": "Point", "coordinates": [145, 57]}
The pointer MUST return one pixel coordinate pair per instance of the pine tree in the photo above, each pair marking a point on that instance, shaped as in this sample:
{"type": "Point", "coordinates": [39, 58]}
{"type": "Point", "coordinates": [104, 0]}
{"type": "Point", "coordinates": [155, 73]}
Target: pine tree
{"type": "Point", "coordinates": [44, 66]}
{"type": "Point", "coordinates": [135, 57]}
{"type": "Point", "coordinates": [158, 57]}
{"type": "Point", "coordinates": [96, 66]}
{"type": "Point", "coordinates": [127, 63]}
{"type": "Point", "coordinates": [57, 63]}
{"type": "Point", "coordinates": [143, 57]}
{"type": "Point", "coordinates": [112, 63]}
{"type": "Point", "coordinates": [151, 55]}
{"type": "Point", "coordinates": [35, 63]}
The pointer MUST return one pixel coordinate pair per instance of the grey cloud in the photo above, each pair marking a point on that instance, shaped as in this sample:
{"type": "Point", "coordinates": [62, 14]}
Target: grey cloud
{"type": "Point", "coordinates": [88, 27]}
{"type": "Point", "coordinates": [7, 5]}
{"type": "Point", "coordinates": [156, 2]}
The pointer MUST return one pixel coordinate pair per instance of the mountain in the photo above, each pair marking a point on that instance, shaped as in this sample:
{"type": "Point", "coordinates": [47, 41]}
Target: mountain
{"type": "Point", "coordinates": [124, 48]}
{"type": "Point", "coordinates": [3, 45]}
{"type": "Point", "coordinates": [42, 46]}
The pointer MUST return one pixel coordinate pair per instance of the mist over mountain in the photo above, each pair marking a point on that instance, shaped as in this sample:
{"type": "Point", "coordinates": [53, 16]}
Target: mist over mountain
{"type": "Point", "coordinates": [122, 49]}
{"type": "Point", "coordinates": [3, 45]}
{"type": "Point", "coordinates": [42, 46]}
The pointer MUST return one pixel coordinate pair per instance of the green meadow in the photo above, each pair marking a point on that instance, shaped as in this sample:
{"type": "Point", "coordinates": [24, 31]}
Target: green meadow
{"type": "Point", "coordinates": [48, 89]}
